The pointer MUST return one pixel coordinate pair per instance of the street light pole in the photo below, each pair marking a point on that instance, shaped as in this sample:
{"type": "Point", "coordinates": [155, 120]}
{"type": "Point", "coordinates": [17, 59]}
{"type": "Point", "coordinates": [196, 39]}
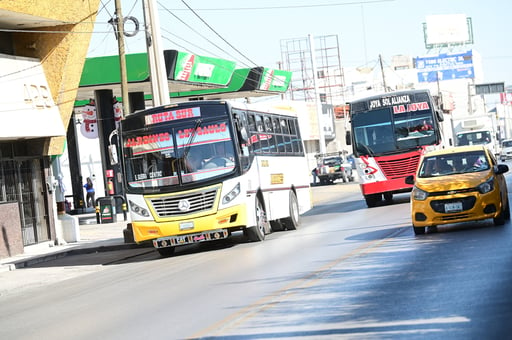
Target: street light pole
{"type": "Point", "coordinates": [122, 59]}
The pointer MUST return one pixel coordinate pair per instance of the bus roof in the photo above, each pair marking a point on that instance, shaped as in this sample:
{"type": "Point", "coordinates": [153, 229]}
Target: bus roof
{"type": "Point", "coordinates": [391, 94]}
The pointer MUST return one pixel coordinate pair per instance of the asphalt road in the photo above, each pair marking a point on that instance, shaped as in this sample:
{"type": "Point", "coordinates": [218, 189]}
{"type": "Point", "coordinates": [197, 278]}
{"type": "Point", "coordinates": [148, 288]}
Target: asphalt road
{"type": "Point", "coordinates": [347, 272]}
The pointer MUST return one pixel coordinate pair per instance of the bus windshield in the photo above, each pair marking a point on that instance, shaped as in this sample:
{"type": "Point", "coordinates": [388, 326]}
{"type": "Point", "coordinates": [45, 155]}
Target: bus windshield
{"type": "Point", "coordinates": [384, 131]}
{"type": "Point", "coordinates": [174, 155]}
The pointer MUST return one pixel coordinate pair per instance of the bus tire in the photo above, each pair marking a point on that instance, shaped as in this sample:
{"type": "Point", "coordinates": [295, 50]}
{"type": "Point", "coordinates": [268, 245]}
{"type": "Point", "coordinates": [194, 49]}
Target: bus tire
{"type": "Point", "coordinates": [166, 252]}
{"type": "Point", "coordinates": [372, 200]}
{"type": "Point", "coordinates": [276, 226]}
{"type": "Point", "coordinates": [257, 233]}
{"type": "Point", "coordinates": [292, 221]}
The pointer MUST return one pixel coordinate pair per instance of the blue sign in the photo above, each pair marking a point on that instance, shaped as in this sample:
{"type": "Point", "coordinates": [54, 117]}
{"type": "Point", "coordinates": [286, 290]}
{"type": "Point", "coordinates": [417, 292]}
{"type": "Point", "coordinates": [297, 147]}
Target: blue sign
{"type": "Point", "coordinates": [445, 67]}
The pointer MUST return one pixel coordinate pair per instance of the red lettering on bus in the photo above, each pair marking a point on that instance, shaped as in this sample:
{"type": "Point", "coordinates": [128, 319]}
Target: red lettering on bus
{"type": "Point", "coordinates": [147, 139]}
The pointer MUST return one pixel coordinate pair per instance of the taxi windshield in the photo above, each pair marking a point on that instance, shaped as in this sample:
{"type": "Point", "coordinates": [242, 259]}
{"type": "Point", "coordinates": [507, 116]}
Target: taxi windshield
{"type": "Point", "coordinates": [453, 163]}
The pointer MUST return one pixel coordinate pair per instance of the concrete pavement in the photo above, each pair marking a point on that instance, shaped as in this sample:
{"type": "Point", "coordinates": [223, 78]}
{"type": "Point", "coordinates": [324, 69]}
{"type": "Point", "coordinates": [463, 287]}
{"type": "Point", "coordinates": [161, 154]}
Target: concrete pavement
{"type": "Point", "coordinates": [93, 237]}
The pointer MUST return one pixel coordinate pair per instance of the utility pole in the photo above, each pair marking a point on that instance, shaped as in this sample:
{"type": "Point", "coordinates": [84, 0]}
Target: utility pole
{"type": "Point", "coordinates": [122, 60]}
{"type": "Point", "coordinates": [383, 76]}
{"type": "Point", "coordinates": [158, 74]}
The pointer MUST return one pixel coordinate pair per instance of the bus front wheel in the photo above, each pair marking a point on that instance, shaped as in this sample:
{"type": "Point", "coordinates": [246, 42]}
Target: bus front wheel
{"type": "Point", "coordinates": [166, 252]}
{"type": "Point", "coordinates": [257, 232]}
{"type": "Point", "coordinates": [292, 222]}
{"type": "Point", "coordinates": [372, 200]}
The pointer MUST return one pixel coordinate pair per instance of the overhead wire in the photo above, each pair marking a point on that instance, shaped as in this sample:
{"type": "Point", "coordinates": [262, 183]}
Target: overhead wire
{"type": "Point", "coordinates": [194, 30]}
{"type": "Point", "coordinates": [214, 31]}
{"type": "Point", "coordinates": [202, 36]}
{"type": "Point", "coordinates": [291, 7]}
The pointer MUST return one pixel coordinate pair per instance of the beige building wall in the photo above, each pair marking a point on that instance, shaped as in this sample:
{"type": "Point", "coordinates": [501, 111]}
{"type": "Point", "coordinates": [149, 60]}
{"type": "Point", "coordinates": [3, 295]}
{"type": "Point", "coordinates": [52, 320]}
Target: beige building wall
{"type": "Point", "coordinates": [61, 46]}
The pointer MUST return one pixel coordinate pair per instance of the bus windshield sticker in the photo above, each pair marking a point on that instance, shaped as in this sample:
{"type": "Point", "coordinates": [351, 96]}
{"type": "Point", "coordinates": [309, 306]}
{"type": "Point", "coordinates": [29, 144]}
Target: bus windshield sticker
{"type": "Point", "coordinates": [207, 133]}
{"type": "Point", "coordinates": [149, 143]}
{"type": "Point", "coordinates": [166, 116]}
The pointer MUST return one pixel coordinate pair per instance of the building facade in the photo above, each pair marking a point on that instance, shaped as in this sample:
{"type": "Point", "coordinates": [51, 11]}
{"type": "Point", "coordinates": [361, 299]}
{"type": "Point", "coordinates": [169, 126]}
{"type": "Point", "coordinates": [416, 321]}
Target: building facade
{"type": "Point", "coordinates": [43, 46]}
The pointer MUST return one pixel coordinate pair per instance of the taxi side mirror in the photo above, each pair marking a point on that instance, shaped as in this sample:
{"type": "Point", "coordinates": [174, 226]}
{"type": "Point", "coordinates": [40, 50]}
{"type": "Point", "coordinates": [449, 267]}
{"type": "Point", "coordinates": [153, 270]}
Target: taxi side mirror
{"type": "Point", "coordinates": [500, 169]}
{"type": "Point", "coordinates": [409, 180]}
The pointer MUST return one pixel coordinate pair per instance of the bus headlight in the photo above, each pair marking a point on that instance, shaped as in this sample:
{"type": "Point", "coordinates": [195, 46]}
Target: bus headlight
{"type": "Point", "coordinates": [418, 194]}
{"type": "Point", "coordinates": [138, 209]}
{"type": "Point", "coordinates": [232, 194]}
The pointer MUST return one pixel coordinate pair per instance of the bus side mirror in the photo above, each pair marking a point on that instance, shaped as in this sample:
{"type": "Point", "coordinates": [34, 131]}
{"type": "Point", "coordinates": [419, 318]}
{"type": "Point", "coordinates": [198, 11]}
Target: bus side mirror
{"type": "Point", "coordinates": [244, 135]}
{"type": "Point", "coordinates": [348, 138]}
{"type": "Point", "coordinates": [440, 115]}
{"type": "Point", "coordinates": [112, 154]}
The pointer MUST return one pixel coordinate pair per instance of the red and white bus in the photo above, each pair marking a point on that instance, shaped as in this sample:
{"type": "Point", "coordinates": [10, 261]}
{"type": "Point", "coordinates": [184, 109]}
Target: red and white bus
{"type": "Point", "coordinates": [389, 133]}
{"type": "Point", "coordinates": [200, 170]}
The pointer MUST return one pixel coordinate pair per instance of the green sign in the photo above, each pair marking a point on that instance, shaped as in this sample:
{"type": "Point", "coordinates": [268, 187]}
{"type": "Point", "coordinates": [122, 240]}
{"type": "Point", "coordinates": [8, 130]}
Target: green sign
{"type": "Point", "coordinates": [198, 69]}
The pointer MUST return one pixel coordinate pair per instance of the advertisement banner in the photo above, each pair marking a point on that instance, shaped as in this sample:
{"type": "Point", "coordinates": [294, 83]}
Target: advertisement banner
{"type": "Point", "coordinates": [445, 67]}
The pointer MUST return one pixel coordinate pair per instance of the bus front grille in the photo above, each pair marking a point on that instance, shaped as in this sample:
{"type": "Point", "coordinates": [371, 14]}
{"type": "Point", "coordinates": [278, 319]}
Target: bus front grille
{"type": "Point", "coordinates": [398, 168]}
{"type": "Point", "coordinates": [184, 204]}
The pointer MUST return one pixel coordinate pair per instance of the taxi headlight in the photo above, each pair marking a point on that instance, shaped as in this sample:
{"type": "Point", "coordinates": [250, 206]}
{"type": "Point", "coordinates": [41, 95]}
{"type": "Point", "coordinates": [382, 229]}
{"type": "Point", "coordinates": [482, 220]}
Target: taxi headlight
{"type": "Point", "coordinates": [418, 194]}
{"type": "Point", "coordinates": [486, 186]}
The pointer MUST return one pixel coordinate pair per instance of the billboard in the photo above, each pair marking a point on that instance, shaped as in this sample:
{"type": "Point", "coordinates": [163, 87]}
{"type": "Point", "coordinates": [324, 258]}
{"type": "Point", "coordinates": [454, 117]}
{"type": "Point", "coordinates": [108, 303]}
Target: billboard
{"type": "Point", "coordinates": [445, 66]}
{"type": "Point", "coordinates": [447, 30]}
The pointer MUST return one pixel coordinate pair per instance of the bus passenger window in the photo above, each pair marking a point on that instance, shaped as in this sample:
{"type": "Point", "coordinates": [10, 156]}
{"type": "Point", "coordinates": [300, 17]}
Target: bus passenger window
{"type": "Point", "coordinates": [270, 135]}
{"type": "Point", "coordinates": [262, 137]}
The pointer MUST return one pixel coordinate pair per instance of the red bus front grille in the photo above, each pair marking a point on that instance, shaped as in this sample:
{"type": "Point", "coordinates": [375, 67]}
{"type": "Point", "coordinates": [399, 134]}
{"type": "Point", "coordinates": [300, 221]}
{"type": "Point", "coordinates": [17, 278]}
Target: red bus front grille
{"type": "Point", "coordinates": [399, 167]}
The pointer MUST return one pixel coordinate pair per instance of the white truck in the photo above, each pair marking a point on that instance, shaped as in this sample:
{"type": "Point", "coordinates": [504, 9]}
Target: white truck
{"type": "Point", "coordinates": [477, 131]}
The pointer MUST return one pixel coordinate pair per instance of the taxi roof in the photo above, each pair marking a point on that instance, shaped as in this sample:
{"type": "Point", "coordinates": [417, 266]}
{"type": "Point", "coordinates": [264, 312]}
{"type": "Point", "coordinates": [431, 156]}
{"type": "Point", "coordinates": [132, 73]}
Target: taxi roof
{"type": "Point", "coordinates": [456, 149]}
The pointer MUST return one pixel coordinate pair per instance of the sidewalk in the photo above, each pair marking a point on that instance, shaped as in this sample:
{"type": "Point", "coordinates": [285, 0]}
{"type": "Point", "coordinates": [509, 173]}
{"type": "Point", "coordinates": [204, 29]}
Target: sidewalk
{"type": "Point", "coordinates": [93, 238]}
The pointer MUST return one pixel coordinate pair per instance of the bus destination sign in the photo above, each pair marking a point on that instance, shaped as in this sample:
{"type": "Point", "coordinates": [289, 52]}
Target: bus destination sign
{"type": "Point", "coordinates": [166, 116]}
{"type": "Point", "coordinates": [400, 104]}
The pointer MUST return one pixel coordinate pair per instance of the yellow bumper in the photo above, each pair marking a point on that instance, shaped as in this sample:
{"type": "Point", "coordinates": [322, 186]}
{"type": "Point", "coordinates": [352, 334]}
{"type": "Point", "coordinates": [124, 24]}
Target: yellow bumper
{"type": "Point", "coordinates": [233, 217]}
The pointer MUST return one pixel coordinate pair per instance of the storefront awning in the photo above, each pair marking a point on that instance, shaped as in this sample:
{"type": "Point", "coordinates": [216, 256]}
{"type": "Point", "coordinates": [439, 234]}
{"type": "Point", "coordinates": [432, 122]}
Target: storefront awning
{"type": "Point", "coordinates": [27, 109]}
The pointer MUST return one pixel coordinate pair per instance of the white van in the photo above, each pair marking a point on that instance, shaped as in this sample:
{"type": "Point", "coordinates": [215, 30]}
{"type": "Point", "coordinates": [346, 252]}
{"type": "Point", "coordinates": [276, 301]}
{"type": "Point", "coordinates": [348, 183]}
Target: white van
{"type": "Point", "coordinates": [506, 150]}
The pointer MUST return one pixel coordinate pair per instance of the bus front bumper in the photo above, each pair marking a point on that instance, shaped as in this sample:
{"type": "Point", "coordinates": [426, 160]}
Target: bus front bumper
{"type": "Point", "coordinates": [394, 186]}
{"type": "Point", "coordinates": [196, 227]}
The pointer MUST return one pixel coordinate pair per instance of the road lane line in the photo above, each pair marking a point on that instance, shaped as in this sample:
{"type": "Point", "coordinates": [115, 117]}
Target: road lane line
{"type": "Point", "coordinates": [243, 315]}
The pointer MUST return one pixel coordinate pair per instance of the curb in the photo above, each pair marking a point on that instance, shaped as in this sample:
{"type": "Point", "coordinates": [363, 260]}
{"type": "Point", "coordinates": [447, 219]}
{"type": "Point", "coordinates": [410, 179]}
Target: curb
{"type": "Point", "coordinates": [36, 259]}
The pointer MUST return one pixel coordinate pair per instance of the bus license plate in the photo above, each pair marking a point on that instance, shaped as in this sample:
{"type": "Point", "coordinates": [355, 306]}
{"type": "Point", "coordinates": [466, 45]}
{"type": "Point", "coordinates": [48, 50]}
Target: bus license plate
{"type": "Point", "coordinates": [187, 225]}
{"type": "Point", "coordinates": [453, 207]}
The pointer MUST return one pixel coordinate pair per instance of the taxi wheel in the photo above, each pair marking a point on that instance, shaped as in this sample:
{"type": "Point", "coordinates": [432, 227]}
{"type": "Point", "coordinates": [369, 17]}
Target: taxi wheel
{"type": "Point", "coordinates": [166, 252]}
{"type": "Point", "coordinates": [419, 230]}
{"type": "Point", "coordinates": [503, 216]}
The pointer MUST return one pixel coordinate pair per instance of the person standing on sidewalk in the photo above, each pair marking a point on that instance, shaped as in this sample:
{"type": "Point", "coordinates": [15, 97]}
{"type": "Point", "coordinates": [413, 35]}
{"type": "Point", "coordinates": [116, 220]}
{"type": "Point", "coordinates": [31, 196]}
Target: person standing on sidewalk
{"type": "Point", "coordinates": [90, 192]}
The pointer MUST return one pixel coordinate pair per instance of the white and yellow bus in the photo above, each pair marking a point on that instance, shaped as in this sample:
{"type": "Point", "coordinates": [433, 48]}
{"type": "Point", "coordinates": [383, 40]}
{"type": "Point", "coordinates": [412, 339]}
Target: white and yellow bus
{"type": "Point", "coordinates": [200, 170]}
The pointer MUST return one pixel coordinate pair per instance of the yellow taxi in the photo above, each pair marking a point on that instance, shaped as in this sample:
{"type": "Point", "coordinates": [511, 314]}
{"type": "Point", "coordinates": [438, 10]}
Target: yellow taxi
{"type": "Point", "coordinates": [458, 184]}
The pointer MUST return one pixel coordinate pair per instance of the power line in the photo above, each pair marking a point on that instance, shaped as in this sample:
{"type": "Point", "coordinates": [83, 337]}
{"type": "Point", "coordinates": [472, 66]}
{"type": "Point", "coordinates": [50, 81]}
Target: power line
{"type": "Point", "coordinates": [198, 33]}
{"type": "Point", "coordinates": [211, 28]}
{"type": "Point", "coordinates": [289, 7]}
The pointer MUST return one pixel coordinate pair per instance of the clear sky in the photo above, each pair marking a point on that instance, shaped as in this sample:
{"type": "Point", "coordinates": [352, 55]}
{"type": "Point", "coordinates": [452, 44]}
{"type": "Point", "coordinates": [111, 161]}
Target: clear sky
{"type": "Point", "coordinates": [250, 32]}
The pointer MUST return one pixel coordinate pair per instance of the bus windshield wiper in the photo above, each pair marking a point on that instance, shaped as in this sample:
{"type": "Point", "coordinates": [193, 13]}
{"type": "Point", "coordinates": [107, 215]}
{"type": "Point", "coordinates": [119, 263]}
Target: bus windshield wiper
{"type": "Point", "coordinates": [191, 138]}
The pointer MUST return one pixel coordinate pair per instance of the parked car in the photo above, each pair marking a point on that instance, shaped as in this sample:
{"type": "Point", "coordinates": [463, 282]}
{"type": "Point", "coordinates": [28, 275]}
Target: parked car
{"type": "Point", "coordinates": [333, 166]}
{"type": "Point", "coordinates": [458, 184]}
{"type": "Point", "coordinates": [506, 150]}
